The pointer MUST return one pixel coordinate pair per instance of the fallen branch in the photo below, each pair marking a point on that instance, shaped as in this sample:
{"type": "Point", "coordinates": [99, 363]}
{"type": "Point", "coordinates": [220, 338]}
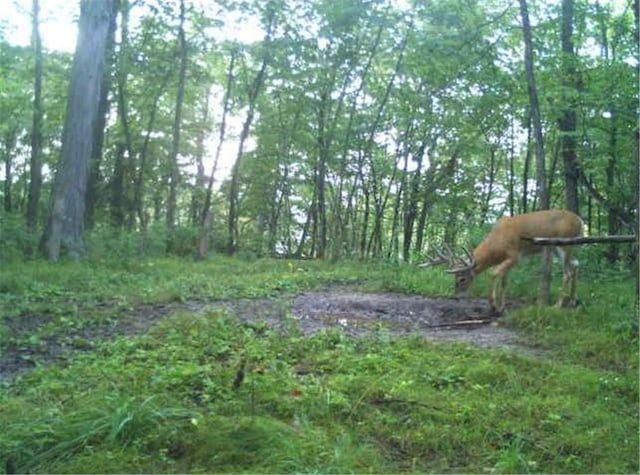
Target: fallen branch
{"type": "Point", "coordinates": [478, 321]}
{"type": "Point", "coordinates": [545, 241]}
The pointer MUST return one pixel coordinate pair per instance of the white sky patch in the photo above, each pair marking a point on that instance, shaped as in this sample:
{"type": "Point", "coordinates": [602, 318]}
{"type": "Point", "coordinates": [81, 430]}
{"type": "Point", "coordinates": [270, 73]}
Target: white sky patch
{"type": "Point", "coordinates": [58, 23]}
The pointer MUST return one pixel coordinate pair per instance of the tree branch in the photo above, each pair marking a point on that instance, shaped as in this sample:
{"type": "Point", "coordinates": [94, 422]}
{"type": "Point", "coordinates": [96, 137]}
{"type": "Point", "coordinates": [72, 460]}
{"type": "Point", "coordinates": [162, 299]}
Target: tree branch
{"type": "Point", "coordinates": [544, 241]}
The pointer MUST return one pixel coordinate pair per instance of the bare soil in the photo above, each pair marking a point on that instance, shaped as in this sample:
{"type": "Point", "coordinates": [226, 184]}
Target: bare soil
{"type": "Point", "coordinates": [356, 313]}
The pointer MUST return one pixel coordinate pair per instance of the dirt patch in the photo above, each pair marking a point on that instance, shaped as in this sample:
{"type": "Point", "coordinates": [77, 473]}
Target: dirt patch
{"type": "Point", "coordinates": [359, 313]}
{"type": "Point", "coordinates": [356, 313]}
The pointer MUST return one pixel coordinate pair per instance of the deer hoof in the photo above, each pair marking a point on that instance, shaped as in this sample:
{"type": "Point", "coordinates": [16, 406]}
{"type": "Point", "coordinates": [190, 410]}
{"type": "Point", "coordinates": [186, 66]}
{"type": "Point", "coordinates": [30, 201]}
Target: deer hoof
{"type": "Point", "coordinates": [495, 310]}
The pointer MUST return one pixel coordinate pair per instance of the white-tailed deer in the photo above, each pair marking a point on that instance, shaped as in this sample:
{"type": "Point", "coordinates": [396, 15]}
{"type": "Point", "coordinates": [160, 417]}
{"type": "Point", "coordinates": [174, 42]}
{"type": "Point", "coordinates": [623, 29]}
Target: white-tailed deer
{"type": "Point", "coordinates": [509, 240]}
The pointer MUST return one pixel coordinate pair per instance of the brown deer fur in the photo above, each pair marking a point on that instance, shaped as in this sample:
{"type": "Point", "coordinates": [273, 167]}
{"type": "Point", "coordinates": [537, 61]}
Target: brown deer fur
{"type": "Point", "coordinates": [507, 242]}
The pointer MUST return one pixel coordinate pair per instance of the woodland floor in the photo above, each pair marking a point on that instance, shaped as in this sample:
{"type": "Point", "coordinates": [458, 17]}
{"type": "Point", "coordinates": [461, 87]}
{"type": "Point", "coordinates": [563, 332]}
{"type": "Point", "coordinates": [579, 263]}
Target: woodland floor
{"type": "Point", "coordinates": [356, 313]}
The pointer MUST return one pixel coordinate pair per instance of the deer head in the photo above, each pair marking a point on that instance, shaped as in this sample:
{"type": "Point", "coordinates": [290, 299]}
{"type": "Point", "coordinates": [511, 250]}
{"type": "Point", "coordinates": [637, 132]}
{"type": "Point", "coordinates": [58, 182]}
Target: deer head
{"type": "Point", "coordinates": [464, 271]}
{"type": "Point", "coordinates": [462, 267]}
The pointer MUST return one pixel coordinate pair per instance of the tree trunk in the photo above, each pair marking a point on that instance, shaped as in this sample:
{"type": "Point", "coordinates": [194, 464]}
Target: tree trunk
{"type": "Point", "coordinates": [174, 175]}
{"type": "Point", "coordinates": [9, 146]}
{"type": "Point", "coordinates": [491, 182]}
{"type": "Point", "coordinates": [120, 198]}
{"type": "Point", "coordinates": [511, 162]}
{"type": "Point", "coordinates": [232, 222]}
{"type": "Point", "coordinates": [207, 213]}
{"type": "Point", "coordinates": [376, 186]}
{"type": "Point", "coordinates": [544, 296]}
{"type": "Point", "coordinates": [197, 197]}
{"type": "Point", "coordinates": [524, 207]}
{"type": "Point", "coordinates": [320, 210]}
{"type": "Point", "coordinates": [412, 197]}
{"type": "Point", "coordinates": [341, 219]}
{"type": "Point", "coordinates": [100, 126]}
{"type": "Point", "coordinates": [35, 182]}
{"type": "Point", "coordinates": [66, 220]}
{"type": "Point", "coordinates": [139, 188]}
{"type": "Point", "coordinates": [613, 225]}
{"type": "Point", "coordinates": [117, 188]}
{"type": "Point", "coordinates": [568, 119]}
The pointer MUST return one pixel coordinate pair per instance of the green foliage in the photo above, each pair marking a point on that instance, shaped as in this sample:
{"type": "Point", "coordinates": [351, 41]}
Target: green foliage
{"type": "Point", "coordinates": [381, 132]}
{"type": "Point", "coordinates": [14, 237]}
{"type": "Point", "coordinates": [202, 392]}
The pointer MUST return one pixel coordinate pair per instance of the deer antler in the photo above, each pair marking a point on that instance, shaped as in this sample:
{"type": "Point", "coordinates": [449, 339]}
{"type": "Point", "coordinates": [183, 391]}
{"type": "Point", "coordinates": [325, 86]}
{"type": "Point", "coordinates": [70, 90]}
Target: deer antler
{"type": "Point", "coordinates": [458, 263]}
{"type": "Point", "coordinates": [438, 257]}
{"type": "Point", "coordinates": [469, 260]}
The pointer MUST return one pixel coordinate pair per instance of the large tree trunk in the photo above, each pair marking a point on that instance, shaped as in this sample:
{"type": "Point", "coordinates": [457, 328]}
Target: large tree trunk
{"type": "Point", "coordinates": [100, 125]}
{"type": "Point", "coordinates": [35, 182]}
{"type": "Point", "coordinates": [66, 220]}
{"type": "Point", "coordinates": [542, 191]}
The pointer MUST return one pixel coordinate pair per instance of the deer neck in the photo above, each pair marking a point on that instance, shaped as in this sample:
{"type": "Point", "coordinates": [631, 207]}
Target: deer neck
{"type": "Point", "coordinates": [486, 256]}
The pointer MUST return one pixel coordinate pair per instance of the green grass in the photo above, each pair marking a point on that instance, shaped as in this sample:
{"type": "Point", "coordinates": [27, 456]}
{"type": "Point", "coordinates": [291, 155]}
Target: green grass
{"type": "Point", "coordinates": [203, 393]}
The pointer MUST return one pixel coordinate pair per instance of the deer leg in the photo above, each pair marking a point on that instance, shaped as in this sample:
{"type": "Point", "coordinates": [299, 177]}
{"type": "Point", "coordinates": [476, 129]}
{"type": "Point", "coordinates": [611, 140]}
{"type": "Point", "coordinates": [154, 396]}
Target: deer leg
{"type": "Point", "coordinates": [562, 298]}
{"type": "Point", "coordinates": [569, 280]}
{"type": "Point", "coordinates": [572, 265]}
{"type": "Point", "coordinates": [497, 299]}
{"type": "Point", "coordinates": [574, 284]}
{"type": "Point", "coordinates": [503, 291]}
{"type": "Point", "coordinates": [492, 292]}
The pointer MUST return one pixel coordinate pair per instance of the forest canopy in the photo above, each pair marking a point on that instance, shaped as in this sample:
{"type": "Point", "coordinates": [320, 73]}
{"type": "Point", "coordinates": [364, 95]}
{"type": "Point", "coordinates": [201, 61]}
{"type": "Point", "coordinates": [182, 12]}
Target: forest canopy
{"type": "Point", "coordinates": [367, 128]}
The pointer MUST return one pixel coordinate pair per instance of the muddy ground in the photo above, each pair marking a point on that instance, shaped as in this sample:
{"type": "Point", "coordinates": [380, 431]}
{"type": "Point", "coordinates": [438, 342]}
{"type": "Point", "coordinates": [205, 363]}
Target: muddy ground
{"type": "Point", "coordinates": [356, 313]}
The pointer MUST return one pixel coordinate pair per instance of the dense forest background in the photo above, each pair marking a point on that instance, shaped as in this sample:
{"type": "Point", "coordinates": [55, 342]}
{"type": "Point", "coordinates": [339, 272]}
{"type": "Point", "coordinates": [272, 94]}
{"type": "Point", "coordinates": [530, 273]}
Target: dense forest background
{"type": "Point", "coordinates": [368, 128]}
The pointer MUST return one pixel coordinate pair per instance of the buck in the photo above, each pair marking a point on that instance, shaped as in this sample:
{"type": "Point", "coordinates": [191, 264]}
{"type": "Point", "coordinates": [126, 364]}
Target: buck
{"type": "Point", "coordinates": [509, 240]}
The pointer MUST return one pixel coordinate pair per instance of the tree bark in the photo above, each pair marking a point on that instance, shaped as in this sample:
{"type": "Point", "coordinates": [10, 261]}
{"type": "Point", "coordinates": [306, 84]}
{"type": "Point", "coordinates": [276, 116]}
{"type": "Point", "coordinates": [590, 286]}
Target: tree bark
{"type": "Point", "coordinates": [99, 129]}
{"type": "Point", "coordinates": [9, 146]}
{"type": "Point", "coordinates": [65, 225]}
{"type": "Point", "coordinates": [174, 175]}
{"type": "Point", "coordinates": [256, 86]}
{"type": "Point", "coordinates": [139, 188]}
{"type": "Point", "coordinates": [197, 197]}
{"type": "Point", "coordinates": [35, 182]}
{"type": "Point", "coordinates": [568, 120]}
{"type": "Point", "coordinates": [527, 166]}
{"type": "Point", "coordinates": [120, 202]}
{"type": "Point", "coordinates": [207, 213]}
{"type": "Point", "coordinates": [542, 192]}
